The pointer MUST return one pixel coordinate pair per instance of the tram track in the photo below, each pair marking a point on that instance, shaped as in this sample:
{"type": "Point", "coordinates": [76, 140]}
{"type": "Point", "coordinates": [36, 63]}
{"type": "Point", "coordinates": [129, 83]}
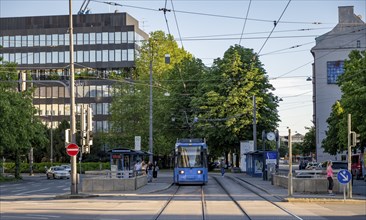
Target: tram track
{"type": "Point", "coordinates": [173, 196]}
{"type": "Point", "coordinates": [244, 184]}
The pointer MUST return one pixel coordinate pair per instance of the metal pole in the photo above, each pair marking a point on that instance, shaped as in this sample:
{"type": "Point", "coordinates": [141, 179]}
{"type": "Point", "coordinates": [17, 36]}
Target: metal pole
{"type": "Point", "coordinates": [74, 187]}
{"type": "Point", "coordinates": [278, 150]}
{"type": "Point", "coordinates": [51, 159]}
{"type": "Point", "coordinates": [290, 188]}
{"type": "Point", "coordinates": [151, 116]}
{"type": "Point", "coordinates": [254, 123]}
{"type": "Point", "coordinates": [349, 185]}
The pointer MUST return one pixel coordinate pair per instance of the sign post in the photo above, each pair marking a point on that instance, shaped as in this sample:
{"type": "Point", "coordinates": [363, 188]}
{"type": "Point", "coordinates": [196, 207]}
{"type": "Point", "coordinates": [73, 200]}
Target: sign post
{"type": "Point", "coordinates": [344, 176]}
{"type": "Point", "coordinates": [72, 149]}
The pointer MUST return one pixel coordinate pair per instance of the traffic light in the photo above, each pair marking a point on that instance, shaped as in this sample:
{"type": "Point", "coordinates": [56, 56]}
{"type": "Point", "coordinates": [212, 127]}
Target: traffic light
{"type": "Point", "coordinates": [355, 138]}
{"type": "Point", "coordinates": [82, 128]}
{"type": "Point", "coordinates": [88, 131]}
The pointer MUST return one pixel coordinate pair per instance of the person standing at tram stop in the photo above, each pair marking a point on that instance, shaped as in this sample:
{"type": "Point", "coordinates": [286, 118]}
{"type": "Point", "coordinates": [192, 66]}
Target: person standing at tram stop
{"type": "Point", "coordinates": [155, 169]}
{"type": "Point", "coordinates": [222, 166]}
{"type": "Point", "coordinates": [330, 178]}
{"type": "Point", "coordinates": [149, 169]}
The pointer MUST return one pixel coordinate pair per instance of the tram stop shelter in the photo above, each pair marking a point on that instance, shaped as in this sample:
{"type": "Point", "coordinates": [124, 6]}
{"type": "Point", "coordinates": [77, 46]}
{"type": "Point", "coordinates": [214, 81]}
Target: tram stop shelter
{"type": "Point", "coordinates": [261, 163]}
{"type": "Point", "coordinates": [123, 160]}
{"type": "Point", "coordinates": [121, 176]}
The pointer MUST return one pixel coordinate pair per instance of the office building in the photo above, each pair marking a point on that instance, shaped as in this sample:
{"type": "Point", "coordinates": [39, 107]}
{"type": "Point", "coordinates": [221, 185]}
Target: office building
{"type": "Point", "coordinates": [103, 43]}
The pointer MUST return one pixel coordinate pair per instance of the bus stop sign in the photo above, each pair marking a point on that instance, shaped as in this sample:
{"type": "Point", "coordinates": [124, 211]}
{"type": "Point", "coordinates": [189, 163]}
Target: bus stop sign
{"type": "Point", "coordinates": [72, 149]}
{"type": "Point", "coordinates": [344, 176]}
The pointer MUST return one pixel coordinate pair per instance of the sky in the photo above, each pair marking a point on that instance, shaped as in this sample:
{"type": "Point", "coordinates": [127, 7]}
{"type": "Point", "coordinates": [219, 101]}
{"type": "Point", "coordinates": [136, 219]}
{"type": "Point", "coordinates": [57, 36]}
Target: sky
{"type": "Point", "coordinates": [207, 28]}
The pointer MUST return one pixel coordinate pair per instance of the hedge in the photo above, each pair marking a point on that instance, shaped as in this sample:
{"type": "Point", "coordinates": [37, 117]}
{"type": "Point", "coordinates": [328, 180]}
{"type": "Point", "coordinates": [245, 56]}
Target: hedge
{"type": "Point", "coordinates": [40, 167]}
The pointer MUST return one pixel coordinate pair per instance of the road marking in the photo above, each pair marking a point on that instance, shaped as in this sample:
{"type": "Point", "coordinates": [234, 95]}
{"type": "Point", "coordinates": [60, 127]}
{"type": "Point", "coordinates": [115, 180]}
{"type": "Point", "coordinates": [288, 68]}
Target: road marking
{"type": "Point", "coordinates": [19, 194]}
{"type": "Point", "coordinates": [46, 216]}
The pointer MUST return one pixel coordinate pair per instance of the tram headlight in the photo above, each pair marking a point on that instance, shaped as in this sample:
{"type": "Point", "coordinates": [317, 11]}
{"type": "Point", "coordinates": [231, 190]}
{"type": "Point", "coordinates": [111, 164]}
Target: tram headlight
{"type": "Point", "coordinates": [181, 171]}
{"type": "Point", "coordinates": [199, 171]}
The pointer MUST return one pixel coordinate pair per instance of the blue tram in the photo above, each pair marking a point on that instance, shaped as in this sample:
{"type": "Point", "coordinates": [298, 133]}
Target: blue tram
{"type": "Point", "coordinates": [190, 161]}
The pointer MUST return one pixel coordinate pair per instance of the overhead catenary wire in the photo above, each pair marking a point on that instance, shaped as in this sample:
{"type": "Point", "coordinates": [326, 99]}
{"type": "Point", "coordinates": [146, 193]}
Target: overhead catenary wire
{"type": "Point", "coordinates": [274, 26]}
{"type": "Point", "coordinates": [176, 23]}
{"type": "Point", "coordinates": [245, 21]}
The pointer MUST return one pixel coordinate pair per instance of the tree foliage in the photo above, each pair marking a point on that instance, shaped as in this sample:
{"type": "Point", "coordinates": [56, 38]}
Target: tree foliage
{"type": "Point", "coordinates": [353, 101]}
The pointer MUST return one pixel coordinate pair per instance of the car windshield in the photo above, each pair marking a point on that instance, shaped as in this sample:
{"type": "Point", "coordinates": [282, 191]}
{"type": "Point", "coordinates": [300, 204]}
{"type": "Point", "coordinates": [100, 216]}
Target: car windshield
{"type": "Point", "coordinates": [59, 168]}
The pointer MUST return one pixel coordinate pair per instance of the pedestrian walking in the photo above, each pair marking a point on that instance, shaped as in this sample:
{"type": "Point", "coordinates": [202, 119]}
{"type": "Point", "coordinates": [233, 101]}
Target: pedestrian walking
{"type": "Point", "coordinates": [155, 170]}
{"type": "Point", "coordinates": [330, 178]}
{"type": "Point", "coordinates": [149, 172]}
{"type": "Point", "coordinates": [222, 166]}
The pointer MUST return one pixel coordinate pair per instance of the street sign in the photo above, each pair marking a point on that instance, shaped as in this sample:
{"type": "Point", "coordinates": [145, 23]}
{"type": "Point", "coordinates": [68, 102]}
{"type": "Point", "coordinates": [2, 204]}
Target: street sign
{"type": "Point", "coordinates": [344, 176]}
{"type": "Point", "coordinates": [72, 150]}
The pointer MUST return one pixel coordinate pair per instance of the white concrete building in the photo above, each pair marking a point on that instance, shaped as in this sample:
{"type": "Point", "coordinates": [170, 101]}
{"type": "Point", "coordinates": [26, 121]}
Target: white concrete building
{"type": "Point", "coordinates": [329, 53]}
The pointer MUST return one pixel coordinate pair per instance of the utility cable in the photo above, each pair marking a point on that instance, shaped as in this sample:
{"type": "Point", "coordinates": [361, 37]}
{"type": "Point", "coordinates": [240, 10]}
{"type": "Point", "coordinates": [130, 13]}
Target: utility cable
{"type": "Point", "coordinates": [166, 20]}
{"type": "Point", "coordinates": [245, 21]}
{"type": "Point", "coordinates": [176, 22]}
{"type": "Point", "coordinates": [274, 26]}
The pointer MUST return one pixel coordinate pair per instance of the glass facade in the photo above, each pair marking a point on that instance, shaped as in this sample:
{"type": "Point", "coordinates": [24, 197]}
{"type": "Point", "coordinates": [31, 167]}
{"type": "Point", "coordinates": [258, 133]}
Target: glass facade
{"type": "Point", "coordinates": [334, 69]}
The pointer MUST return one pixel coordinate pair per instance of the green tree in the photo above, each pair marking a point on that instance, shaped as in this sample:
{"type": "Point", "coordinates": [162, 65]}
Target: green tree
{"type": "Point", "coordinates": [130, 105]}
{"type": "Point", "coordinates": [335, 141]}
{"type": "Point", "coordinates": [225, 99]}
{"type": "Point", "coordinates": [353, 86]}
{"type": "Point", "coordinates": [309, 144]}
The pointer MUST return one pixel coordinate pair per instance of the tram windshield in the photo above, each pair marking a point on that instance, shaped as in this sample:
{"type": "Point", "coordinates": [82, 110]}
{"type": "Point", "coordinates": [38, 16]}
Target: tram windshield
{"type": "Point", "coordinates": [189, 156]}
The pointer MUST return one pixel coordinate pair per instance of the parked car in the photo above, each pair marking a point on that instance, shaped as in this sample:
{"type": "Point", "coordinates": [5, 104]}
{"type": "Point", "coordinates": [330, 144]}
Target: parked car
{"type": "Point", "coordinates": [57, 172]}
{"type": "Point", "coordinates": [356, 165]}
{"type": "Point", "coordinates": [67, 167]}
{"type": "Point", "coordinates": [312, 166]}
{"type": "Point", "coordinates": [337, 165]}
{"type": "Point", "coordinates": [303, 162]}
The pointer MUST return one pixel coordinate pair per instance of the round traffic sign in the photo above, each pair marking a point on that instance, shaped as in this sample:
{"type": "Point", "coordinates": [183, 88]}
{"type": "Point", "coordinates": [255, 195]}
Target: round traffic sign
{"type": "Point", "coordinates": [344, 176]}
{"type": "Point", "coordinates": [72, 150]}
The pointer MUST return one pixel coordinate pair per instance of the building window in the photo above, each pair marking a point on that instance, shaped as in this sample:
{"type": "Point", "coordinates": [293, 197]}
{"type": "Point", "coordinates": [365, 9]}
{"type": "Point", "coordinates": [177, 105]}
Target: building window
{"type": "Point", "coordinates": [42, 57]}
{"type": "Point", "coordinates": [105, 56]}
{"type": "Point", "coordinates": [99, 38]}
{"type": "Point", "coordinates": [131, 56]}
{"type": "Point", "coordinates": [61, 58]}
{"type": "Point", "coordinates": [48, 40]}
{"type": "Point", "coordinates": [30, 40]}
{"type": "Point", "coordinates": [117, 55]}
{"type": "Point", "coordinates": [334, 69]}
{"type": "Point", "coordinates": [117, 37]}
{"type": "Point", "coordinates": [55, 57]}
{"type": "Point", "coordinates": [67, 56]}
{"type": "Point", "coordinates": [80, 57]}
{"type": "Point", "coordinates": [111, 37]}
{"type": "Point", "coordinates": [36, 40]}
{"type": "Point", "coordinates": [30, 58]}
{"type": "Point", "coordinates": [24, 58]}
{"type": "Point", "coordinates": [111, 55]}
{"type": "Point", "coordinates": [86, 55]}
{"type": "Point", "coordinates": [67, 40]}
{"type": "Point", "coordinates": [124, 55]}
{"type": "Point", "coordinates": [36, 58]}
{"type": "Point", "coordinates": [79, 40]}
{"type": "Point", "coordinates": [124, 37]}
{"type": "Point", "coordinates": [24, 41]}
{"type": "Point", "coordinates": [42, 40]}
{"type": "Point", "coordinates": [86, 38]}
{"type": "Point", "coordinates": [12, 57]}
{"type": "Point", "coordinates": [99, 56]}
{"type": "Point", "coordinates": [105, 38]}
{"type": "Point", "coordinates": [61, 39]}
{"type": "Point", "coordinates": [358, 44]}
{"type": "Point", "coordinates": [92, 56]}
{"type": "Point", "coordinates": [54, 39]}
{"type": "Point", "coordinates": [6, 41]}
{"type": "Point", "coordinates": [18, 41]}
{"type": "Point", "coordinates": [11, 41]}
{"type": "Point", "coordinates": [49, 57]}
{"type": "Point", "coordinates": [131, 38]}
{"type": "Point", "coordinates": [92, 38]}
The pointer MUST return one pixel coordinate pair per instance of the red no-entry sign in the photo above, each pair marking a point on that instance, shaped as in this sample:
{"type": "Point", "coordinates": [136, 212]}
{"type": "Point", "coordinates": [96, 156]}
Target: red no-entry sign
{"type": "Point", "coordinates": [72, 150]}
